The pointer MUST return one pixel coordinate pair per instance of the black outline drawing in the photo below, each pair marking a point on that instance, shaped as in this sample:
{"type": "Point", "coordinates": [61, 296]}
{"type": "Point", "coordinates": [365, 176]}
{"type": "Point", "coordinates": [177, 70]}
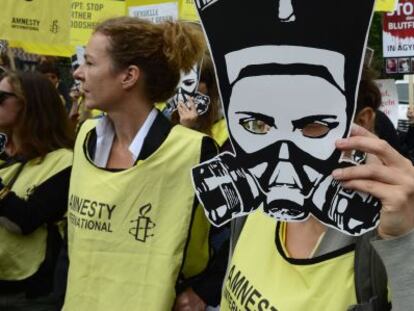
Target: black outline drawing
{"type": "Point", "coordinates": [288, 82]}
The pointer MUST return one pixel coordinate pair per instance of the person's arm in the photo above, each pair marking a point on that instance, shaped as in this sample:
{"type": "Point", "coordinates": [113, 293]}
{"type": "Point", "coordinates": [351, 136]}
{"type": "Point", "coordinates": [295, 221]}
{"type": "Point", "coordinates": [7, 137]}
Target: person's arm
{"type": "Point", "coordinates": [196, 294]}
{"type": "Point", "coordinates": [398, 255]}
{"type": "Point", "coordinates": [389, 177]}
{"type": "Point", "coordinates": [47, 203]}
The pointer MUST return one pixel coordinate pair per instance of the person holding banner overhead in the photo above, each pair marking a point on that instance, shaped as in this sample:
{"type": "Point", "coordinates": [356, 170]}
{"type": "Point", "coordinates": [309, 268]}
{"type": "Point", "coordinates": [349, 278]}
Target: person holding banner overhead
{"type": "Point", "coordinates": [34, 184]}
{"type": "Point", "coordinates": [135, 232]}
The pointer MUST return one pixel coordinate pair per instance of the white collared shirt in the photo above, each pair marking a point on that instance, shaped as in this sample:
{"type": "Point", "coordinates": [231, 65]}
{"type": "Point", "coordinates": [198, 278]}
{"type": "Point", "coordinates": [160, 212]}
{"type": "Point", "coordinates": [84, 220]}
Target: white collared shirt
{"type": "Point", "coordinates": [105, 135]}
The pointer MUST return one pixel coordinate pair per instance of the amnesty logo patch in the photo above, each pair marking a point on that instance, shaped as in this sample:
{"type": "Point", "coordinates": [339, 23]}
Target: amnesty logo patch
{"type": "Point", "coordinates": [143, 228]}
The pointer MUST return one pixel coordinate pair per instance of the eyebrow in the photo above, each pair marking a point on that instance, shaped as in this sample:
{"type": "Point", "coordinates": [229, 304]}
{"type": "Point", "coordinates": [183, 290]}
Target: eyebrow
{"type": "Point", "coordinates": [88, 56]}
{"type": "Point", "coordinates": [300, 123]}
{"type": "Point", "coordinates": [266, 119]}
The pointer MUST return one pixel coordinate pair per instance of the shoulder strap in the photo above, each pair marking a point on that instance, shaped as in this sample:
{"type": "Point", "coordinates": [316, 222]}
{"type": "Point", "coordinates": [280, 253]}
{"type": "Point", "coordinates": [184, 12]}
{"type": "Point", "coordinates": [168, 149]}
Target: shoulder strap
{"type": "Point", "coordinates": [236, 227]}
{"type": "Point", "coordinates": [370, 276]}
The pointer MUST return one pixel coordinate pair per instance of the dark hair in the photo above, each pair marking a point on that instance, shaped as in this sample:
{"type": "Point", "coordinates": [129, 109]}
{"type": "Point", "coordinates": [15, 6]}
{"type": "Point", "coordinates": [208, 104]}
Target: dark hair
{"type": "Point", "coordinates": [369, 94]}
{"type": "Point", "coordinates": [43, 125]}
{"type": "Point", "coordinates": [48, 67]}
{"type": "Point", "coordinates": [161, 51]}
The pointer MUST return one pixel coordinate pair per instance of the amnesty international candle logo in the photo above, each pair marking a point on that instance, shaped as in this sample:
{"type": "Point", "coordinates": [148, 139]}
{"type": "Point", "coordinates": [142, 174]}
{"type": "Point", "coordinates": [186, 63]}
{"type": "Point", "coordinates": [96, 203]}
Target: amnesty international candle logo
{"type": "Point", "coordinates": [54, 27]}
{"type": "Point", "coordinates": [143, 225]}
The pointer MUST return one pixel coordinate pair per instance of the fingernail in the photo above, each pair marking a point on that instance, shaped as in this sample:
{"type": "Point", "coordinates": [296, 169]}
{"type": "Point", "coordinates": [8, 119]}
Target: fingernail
{"type": "Point", "coordinates": [341, 142]}
{"type": "Point", "coordinates": [337, 174]}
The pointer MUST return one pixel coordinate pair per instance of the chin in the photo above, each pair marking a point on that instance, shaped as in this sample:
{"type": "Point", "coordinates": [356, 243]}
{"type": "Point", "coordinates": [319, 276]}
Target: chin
{"type": "Point", "coordinates": [90, 104]}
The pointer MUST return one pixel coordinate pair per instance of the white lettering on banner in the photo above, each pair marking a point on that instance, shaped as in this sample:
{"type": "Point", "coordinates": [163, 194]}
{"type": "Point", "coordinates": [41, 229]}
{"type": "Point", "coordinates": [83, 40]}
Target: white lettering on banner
{"type": "Point", "coordinates": [406, 8]}
{"type": "Point", "coordinates": [401, 25]}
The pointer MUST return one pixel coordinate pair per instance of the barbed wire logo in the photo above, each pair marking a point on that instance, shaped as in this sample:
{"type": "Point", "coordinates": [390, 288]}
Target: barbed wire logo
{"type": "Point", "coordinates": [54, 27]}
{"type": "Point", "coordinates": [144, 225]}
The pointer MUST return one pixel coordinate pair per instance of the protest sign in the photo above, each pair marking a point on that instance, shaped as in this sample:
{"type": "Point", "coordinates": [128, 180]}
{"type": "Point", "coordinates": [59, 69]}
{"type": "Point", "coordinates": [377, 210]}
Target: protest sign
{"type": "Point", "coordinates": [29, 21]}
{"type": "Point", "coordinates": [389, 102]}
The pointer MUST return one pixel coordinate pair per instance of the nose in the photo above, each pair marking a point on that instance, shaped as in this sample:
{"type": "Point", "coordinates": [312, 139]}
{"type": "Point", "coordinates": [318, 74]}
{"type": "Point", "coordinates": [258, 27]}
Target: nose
{"type": "Point", "coordinates": [284, 152]}
{"type": "Point", "coordinates": [78, 73]}
{"type": "Point", "coordinates": [286, 12]}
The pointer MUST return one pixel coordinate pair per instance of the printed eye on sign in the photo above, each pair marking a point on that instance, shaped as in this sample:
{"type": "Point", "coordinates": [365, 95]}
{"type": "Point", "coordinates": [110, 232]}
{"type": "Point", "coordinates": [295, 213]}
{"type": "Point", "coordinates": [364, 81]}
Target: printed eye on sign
{"type": "Point", "coordinates": [288, 73]}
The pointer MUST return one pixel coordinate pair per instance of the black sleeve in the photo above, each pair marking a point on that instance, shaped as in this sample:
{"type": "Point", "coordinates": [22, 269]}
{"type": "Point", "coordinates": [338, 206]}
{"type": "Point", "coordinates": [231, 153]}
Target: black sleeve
{"type": "Point", "coordinates": [208, 285]}
{"type": "Point", "coordinates": [47, 203]}
{"type": "Point", "coordinates": [209, 149]}
{"type": "Point", "coordinates": [386, 131]}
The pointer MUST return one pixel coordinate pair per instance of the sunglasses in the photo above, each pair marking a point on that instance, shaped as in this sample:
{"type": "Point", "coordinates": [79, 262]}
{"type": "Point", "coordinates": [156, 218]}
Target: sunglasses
{"type": "Point", "coordinates": [4, 95]}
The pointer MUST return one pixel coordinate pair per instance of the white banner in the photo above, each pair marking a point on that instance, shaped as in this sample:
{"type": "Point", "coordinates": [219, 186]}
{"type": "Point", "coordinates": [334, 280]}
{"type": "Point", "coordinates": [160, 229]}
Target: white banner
{"type": "Point", "coordinates": [155, 13]}
{"type": "Point", "coordinates": [389, 96]}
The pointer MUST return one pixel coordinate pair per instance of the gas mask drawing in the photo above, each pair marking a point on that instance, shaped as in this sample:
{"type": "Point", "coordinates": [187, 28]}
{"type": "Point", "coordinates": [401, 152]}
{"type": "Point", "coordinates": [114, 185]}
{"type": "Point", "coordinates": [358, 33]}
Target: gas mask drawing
{"type": "Point", "coordinates": [288, 86]}
{"type": "Point", "coordinates": [187, 88]}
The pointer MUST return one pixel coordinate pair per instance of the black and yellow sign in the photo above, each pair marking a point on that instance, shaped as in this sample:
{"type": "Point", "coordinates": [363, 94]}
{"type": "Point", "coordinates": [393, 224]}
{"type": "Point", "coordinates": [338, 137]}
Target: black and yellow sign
{"type": "Point", "coordinates": [42, 21]}
{"type": "Point", "coordinates": [86, 14]}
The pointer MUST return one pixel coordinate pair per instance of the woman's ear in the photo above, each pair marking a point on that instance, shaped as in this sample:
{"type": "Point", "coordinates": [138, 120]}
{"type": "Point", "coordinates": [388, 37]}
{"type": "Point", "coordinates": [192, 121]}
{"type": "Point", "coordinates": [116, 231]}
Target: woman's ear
{"type": "Point", "coordinates": [130, 77]}
{"type": "Point", "coordinates": [366, 118]}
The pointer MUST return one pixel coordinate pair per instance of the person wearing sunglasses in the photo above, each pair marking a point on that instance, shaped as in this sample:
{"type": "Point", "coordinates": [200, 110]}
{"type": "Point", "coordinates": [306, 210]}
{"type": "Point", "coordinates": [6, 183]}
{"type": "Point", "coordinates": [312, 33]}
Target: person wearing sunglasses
{"type": "Point", "coordinates": [34, 180]}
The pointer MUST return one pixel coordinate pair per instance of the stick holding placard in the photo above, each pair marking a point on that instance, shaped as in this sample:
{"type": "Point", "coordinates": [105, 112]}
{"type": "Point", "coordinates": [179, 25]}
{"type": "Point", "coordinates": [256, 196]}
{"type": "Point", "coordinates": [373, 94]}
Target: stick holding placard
{"type": "Point", "coordinates": [410, 92]}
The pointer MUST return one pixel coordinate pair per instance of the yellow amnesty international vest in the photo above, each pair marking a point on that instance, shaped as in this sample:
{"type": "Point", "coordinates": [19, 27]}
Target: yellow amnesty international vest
{"type": "Point", "coordinates": [21, 255]}
{"type": "Point", "coordinates": [261, 277]}
{"type": "Point", "coordinates": [219, 132]}
{"type": "Point", "coordinates": [129, 229]}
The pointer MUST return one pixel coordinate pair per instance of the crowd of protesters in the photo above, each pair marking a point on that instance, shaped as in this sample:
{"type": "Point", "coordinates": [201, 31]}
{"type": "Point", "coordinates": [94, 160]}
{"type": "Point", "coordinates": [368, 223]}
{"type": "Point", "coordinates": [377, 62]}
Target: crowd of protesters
{"type": "Point", "coordinates": [98, 210]}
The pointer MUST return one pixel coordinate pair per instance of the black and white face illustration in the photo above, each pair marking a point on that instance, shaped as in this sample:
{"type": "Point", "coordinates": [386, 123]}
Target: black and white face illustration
{"type": "Point", "coordinates": [314, 115]}
{"type": "Point", "coordinates": [287, 99]}
{"type": "Point", "coordinates": [187, 88]}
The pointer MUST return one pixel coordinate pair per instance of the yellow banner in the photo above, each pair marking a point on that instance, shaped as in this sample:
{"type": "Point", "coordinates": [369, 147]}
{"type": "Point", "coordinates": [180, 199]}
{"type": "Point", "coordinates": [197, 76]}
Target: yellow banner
{"type": "Point", "coordinates": [385, 5]}
{"type": "Point", "coordinates": [44, 49]}
{"type": "Point", "coordinates": [188, 11]}
{"type": "Point", "coordinates": [42, 21]}
{"type": "Point", "coordinates": [87, 13]}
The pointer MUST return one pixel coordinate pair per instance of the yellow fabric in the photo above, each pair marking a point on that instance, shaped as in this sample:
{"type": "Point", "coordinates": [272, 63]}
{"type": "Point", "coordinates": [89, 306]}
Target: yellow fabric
{"type": "Point", "coordinates": [160, 106]}
{"type": "Point", "coordinates": [187, 10]}
{"type": "Point", "coordinates": [115, 264]}
{"type": "Point", "coordinates": [21, 255]}
{"type": "Point", "coordinates": [259, 278]}
{"type": "Point", "coordinates": [40, 21]}
{"type": "Point", "coordinates": [219, 132]}
{"type": "Point", "coordinates": [87, 13]}
{"type": "Point", "coordinates": [385, 5]}
{"type": "Point", "coordinates": [198, 252]}
{"type": "Point", "coordinates": [44, 49]}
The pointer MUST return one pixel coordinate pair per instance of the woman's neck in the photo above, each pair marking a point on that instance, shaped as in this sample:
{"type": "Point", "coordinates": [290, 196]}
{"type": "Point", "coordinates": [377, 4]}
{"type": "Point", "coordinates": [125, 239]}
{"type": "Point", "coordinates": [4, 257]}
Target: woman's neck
{"type": "Point", "coordinates": [128, 120]}
{"type": "Point", "coordinates": [303, 237]}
